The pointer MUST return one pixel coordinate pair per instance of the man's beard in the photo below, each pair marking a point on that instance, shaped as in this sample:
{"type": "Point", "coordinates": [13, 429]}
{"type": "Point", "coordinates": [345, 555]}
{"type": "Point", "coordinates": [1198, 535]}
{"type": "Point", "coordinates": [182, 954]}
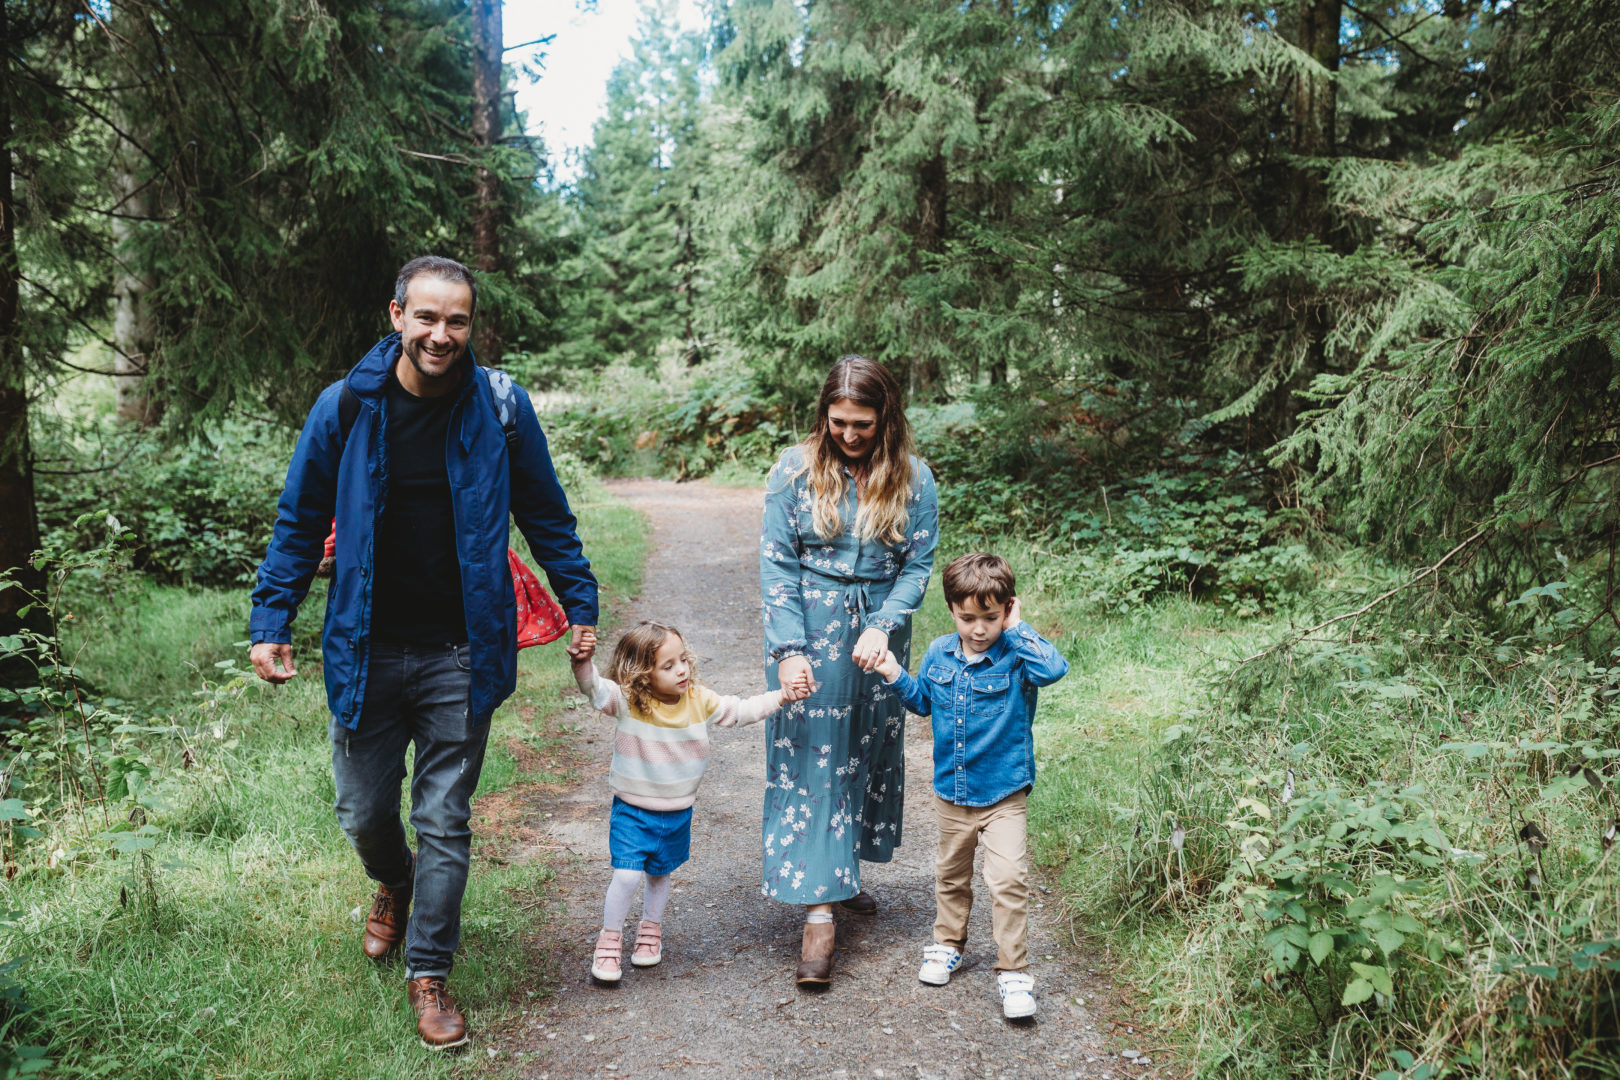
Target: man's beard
{"type": "Point", "coordinates": [414, 351]}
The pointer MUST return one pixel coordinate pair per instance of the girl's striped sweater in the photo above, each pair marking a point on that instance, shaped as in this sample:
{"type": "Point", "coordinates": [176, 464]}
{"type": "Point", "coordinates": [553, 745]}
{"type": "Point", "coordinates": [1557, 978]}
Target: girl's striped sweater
{"type": "Point", "coordinates": [659, 756]}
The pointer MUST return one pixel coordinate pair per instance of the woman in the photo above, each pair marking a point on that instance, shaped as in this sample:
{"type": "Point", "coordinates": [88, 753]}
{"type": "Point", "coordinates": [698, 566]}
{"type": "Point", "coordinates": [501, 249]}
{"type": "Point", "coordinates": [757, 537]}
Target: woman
{"type": "Point", "coordinates": [851, 522]}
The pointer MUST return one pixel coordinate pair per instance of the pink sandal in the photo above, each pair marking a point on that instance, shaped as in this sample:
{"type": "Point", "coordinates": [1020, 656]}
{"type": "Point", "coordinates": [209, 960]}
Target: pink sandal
{"type": "Point", "coordinates": [605, 966]}
{"type": "Point", "coordinates": [649, 944]}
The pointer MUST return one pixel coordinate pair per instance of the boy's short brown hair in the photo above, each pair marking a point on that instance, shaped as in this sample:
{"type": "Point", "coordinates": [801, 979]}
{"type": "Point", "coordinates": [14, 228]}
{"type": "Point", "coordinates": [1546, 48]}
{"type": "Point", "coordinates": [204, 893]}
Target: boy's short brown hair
{"type": "Point", "coordinates": [986, 578]}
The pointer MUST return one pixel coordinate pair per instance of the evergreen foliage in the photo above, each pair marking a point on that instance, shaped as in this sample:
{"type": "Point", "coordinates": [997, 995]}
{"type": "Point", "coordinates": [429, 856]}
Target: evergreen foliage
{"type": "Point", "coordinates": [1486, 405]}
{"type": "Point", "coordinates": [632, 278]}
{"type": "Point", "coordinates": [283, 163]}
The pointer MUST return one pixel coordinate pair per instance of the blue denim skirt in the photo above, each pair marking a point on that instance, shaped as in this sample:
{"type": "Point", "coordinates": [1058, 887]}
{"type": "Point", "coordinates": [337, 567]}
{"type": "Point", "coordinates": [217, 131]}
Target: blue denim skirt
{"type": "Point", "coordinates": [654, 841]}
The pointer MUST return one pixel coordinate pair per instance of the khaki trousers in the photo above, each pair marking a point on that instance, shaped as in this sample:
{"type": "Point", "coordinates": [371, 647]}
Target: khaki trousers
{"type": "Point", "coordinates": [1001, 829]}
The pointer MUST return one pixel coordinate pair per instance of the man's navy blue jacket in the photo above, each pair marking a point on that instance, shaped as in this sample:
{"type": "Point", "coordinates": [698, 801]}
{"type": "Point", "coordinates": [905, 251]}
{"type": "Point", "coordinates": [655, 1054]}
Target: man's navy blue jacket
{"type": "Point", "coordinates": [325, 480]}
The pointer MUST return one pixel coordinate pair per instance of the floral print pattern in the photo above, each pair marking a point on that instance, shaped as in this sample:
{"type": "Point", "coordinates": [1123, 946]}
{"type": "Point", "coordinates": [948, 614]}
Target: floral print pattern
{"type": "Point", "coordinates": [835, 761]}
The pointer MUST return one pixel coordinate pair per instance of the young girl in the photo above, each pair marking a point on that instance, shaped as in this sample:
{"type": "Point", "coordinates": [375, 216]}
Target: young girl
{"type": "Point", "coordinates": [659, 755]}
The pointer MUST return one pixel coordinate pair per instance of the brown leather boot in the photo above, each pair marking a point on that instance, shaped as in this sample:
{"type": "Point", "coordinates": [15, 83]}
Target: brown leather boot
{"type": "Point", "coordinates": [385, 926]}
{"type": "Point", "coordinates": [438, 1021]}
{"type": "Point", "coordinates": [862, 903]}
{"type": "Point", "coordinates": [815, 955]}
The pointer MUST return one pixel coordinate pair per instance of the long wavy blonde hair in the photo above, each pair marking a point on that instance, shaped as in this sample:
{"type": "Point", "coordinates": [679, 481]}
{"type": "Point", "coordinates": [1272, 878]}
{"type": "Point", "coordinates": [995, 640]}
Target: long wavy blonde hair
{"type": "Point", "coordinates": [635, 656]}
{"type": "Point", "coordinates": [882, 510]}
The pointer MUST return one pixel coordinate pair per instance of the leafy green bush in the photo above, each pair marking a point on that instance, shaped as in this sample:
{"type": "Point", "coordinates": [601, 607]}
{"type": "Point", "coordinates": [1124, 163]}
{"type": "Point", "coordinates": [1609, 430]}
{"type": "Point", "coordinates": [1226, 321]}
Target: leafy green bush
{"type": "Point", "coordinates": [628, 422]}
{"type": "Point", "coordinates": [201, 511]}
{"type": "Point", "coordinates": [1187, 523]}
{"type": "Point", "coordinates": [1403, 841]}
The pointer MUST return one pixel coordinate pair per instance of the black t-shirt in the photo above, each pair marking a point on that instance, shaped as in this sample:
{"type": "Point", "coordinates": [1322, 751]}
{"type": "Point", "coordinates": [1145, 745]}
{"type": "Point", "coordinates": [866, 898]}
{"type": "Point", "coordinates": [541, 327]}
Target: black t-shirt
{"type": "Point", "coordinates": [416, 587]}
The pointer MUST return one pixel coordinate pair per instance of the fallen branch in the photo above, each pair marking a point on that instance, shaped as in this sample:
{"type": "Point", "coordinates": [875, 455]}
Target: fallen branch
{"type": "Point", "coordinates": [1369, 605]}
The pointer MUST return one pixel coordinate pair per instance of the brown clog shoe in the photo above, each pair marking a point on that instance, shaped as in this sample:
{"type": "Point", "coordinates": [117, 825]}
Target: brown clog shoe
{"type": "Point", "coordinates": [385, 926]}
{"type": "Point", "coordinates": [438, 1021]}
{"type": "Point", "coordinates": [862, 903]}
{"type": "Point", "coordinates": [815, 955]}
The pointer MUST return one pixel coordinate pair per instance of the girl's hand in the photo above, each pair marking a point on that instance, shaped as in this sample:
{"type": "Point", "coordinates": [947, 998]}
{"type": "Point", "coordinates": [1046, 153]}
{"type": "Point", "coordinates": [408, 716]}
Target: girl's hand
{"type": "Point", "coordinates": [794, 671]}
{"type": "Point", "coordinates": [869, 649]}
{"type": "Point", "coordinates": [582, 643]}
{"type": "Point", "coordinates": [888, 667]}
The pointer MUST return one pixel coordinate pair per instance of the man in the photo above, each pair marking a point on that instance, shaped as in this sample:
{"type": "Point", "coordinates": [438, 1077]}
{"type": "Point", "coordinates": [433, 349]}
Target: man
{"type": "Point", "coordinates": [410, 455]}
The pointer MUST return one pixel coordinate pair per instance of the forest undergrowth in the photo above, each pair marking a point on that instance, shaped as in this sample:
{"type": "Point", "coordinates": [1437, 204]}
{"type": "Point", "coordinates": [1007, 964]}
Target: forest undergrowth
{"type": "Point", "coordinates": [1386, 852]}
{"type": "Point", "coordinates": [178, 899]}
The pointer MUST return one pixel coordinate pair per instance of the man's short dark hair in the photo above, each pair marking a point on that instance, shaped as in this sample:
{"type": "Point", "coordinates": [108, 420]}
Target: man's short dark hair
{"type": "Point", "coordinates": [986, 578]}
{"type": "Point", "coordinates": [434, 266]}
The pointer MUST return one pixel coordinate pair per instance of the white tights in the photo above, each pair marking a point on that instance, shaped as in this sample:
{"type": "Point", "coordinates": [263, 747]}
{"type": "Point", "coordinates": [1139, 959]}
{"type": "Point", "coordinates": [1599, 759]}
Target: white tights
{"type": "Point", "coordinates": [622, 890]}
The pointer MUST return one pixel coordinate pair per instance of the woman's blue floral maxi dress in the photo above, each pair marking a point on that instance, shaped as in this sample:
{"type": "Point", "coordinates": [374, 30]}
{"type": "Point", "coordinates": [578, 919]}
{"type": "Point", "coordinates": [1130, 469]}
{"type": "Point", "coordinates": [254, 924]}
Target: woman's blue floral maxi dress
{"type": "Point", "coordinates": [835, 761]}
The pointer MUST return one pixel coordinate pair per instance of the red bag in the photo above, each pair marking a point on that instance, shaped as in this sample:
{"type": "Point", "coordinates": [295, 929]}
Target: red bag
{"type": "Point", "coordinates": [539, 620]}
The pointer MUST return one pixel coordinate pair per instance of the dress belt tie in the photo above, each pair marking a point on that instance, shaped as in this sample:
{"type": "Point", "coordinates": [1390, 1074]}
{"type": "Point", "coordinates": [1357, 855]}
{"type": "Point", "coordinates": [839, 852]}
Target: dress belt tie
{"type": "Point", "coordinates": [857, 601]}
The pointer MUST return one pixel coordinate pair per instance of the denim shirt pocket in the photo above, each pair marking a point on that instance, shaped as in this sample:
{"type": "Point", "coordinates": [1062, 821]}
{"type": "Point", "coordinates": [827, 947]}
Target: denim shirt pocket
{"type": "Point", "coordinates": [940, 674]}
{"type": "Point", "coordinates": [989, 694]}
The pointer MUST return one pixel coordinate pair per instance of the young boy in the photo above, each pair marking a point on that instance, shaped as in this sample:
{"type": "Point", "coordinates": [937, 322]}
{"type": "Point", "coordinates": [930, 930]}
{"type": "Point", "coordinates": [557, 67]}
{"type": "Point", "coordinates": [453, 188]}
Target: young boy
{"type": "Point", "coordinates": [979, 685]}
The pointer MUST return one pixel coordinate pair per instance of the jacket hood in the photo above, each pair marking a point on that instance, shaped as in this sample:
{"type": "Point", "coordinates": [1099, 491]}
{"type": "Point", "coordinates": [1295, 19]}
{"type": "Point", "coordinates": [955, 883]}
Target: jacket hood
{"type": "Point", "coordinates": [370, 375]}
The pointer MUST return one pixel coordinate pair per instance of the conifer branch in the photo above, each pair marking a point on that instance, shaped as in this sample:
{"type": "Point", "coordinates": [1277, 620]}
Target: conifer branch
{"type": "Point", "coordinates": [1360, 611]}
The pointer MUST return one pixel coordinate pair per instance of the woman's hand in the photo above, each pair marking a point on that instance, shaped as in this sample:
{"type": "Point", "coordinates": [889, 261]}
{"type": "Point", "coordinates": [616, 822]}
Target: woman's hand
{"type": "Point", "coordinates": [869, 649]}
{"type": "Point", "coordinates": [794, 671]}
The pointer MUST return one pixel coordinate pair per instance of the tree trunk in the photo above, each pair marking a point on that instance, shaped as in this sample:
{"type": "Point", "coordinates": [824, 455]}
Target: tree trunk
{"type": "Point", "coordinates": [1314, 102]}
{"type": "Point", "coordinates": [19, 526]}
{"type": "Point", "coordinates": [132, 327]}
{"type": "Point", "coordinates": [487, 50]}
{"type": "Point", "coordinates": [1312, 106]}
{"type": "Point", "coordinates": [931, 210]}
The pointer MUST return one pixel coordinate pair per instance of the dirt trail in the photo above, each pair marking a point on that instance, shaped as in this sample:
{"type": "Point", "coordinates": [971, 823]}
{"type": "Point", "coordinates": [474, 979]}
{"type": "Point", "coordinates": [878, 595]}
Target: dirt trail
{"type": "Point", "coordinates": [723, 1003]}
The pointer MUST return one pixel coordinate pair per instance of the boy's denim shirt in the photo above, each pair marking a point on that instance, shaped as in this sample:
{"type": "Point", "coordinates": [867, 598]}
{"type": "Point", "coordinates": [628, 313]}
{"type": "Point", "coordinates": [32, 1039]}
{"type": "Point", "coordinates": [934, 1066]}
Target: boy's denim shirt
{"type": "Point", "coordinates": [983, 712]}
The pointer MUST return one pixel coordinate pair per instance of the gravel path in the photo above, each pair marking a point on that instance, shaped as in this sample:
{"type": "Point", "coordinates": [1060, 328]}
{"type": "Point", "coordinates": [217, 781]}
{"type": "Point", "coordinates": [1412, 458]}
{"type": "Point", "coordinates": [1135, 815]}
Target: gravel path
{"type": "Point", "coordinates": [723, 1003]}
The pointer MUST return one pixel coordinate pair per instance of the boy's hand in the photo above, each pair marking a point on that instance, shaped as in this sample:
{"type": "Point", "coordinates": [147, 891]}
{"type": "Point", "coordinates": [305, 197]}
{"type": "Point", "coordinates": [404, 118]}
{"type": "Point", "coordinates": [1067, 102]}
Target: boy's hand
{"type": "Point", "coordinates": [1015, 612]}
{"type": "Point", "coordinates": [888, 667]}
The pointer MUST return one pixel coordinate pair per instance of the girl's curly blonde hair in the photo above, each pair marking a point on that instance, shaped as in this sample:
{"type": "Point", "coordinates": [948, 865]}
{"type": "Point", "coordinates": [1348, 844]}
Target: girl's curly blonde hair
{"type": "Point", "coordinates": [636, 654]}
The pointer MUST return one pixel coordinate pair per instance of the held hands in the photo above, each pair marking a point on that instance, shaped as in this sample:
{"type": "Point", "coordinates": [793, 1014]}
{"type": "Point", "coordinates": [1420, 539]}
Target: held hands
{"type": "Point", "coordinates": [800, 688]}
{"type": "Point", "coordinates": [264, 655]}
{"type": "Point", "coordinates": [888, 667]}
{"type": "Point", "coordinates": [582, 644]}
{"type": "Point", "coordinates": [869, 649]}
{"type": "Point", "coordinates": [796, 678]}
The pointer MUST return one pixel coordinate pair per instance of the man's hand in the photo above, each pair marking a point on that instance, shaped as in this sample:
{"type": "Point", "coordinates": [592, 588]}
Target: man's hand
{"type": "Point", "coordinates": [582, 643]}
{"type": "Point", "coordinates": [869, 649]}
{"type": "Point", "coordinates": [888, 667]}
{"type": "Point", "coordinates": [264, 656]}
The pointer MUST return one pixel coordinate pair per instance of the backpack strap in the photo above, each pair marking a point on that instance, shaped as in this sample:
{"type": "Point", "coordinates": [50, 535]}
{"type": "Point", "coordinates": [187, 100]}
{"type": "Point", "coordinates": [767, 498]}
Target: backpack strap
{"type": "Point", "coordinates": [500, 386]}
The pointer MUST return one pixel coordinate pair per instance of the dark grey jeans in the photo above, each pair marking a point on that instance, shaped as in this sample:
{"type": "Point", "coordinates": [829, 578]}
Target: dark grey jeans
{"type": "Point", "coordinates": [414, 694]}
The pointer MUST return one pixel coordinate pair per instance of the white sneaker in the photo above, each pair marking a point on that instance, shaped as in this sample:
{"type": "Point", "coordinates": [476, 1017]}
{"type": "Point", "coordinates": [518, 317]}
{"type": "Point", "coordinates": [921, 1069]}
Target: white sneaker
{"type": "Point", "coordinates": [1017, 994]}
{"type": "Point", "coordinates": [938, 963]}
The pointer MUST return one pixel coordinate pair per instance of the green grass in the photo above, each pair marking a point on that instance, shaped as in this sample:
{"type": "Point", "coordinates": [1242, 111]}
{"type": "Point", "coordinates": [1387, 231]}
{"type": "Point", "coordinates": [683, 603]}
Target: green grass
{"type": "Point", "coordinates": [232, 950]}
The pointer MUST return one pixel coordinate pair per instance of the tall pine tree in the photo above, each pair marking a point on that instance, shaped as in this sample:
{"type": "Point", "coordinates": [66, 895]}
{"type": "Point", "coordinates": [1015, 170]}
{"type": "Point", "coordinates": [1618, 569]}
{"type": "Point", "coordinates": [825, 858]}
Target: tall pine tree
{"type": "Point", "coordinates": [632, 285]}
